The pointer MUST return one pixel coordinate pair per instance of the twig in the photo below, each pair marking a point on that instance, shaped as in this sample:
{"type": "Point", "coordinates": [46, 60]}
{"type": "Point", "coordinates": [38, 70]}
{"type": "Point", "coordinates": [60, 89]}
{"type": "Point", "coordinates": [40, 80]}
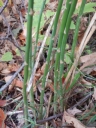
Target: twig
{"type": "Point", "coordinates": [4, 38]}
{"type": "Point", "coordinates": [49, 118]}
{"type": "Point", "coordinates": [4, 6]}
{"type": "Point", "coordinates": [9, 82]}
{"type": "Point", "coordinates": [82, 100]}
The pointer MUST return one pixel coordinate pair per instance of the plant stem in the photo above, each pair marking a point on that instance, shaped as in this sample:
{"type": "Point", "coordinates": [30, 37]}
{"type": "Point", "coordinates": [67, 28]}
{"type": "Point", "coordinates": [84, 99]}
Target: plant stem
{"type": "Point", "coordinates": [49, 54]}
{"type": "Point", "coordinates": [38, 27]}
{"type": "Point", "coordinates": [77, 28]}
{"type": "Point", "coordinates": [27, 55]}
{"type": "Point", "coordinates": [61, 34]}
{"type": "Point", "coordinates": [73, 5]}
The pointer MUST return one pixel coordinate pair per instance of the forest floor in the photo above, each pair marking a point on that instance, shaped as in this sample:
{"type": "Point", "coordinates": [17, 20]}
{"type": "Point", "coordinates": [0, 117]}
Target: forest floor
{"type": "Point", "coordinates": [81, 101]}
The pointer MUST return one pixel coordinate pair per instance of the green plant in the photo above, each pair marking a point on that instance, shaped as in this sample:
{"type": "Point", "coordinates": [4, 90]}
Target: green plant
{"type": "Point", "coordinates": [7, 56]}
{"type": "Point", "coordinates": [49, 55]}
{"type": "Point", "coordinates": [1, 3]}
{"type": "Point", "coordinates": [28, 52]}
{"type": "Point", "coordinates": [63, 25]}
{"type": "Point", "coordinates": [77, 28]}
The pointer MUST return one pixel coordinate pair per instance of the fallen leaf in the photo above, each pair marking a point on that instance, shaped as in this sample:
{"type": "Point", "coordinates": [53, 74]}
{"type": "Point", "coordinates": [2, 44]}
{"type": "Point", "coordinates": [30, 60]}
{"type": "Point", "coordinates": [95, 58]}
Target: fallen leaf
{"type": "Point", "coordinates": [52, 6]}
{"type": "Point", "coordinates": [2, 119]}
{"type": "Point", "coordinates": [72, 120]}
{"type": "Point", "coordinates": [5, 71]}
{"type": "Point", "coordinates": [50, 85]}
{"type": "Point", "coordinates": [3, 66]}
{"type": "Point", "coordinates": [93, 73]}
{"type": "Point", "coordinates": [94, 95]}
{"type": "Point", "coordinates": [18, 83]}
{"type": "Point", "coordinates": [74, 111]}
{"type": "Point", "coordinates": [7, 78]}
{"type": "Point", "coordinates": [88, 60]}
{"type": "Point", "coordinates": [88, 70]}
{"type": "Point", "coordinates": [2, 103]}
{"type": "Point", "coordinates": [22, 37]}
{"type": "Point", "coordinates": [13, 67]}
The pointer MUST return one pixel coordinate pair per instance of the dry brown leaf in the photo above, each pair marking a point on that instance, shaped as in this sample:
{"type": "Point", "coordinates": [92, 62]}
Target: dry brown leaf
{"type": "Point", "coordinates": [72, 120]}
{"type": "Point", "coordinates": [88, 70]}
{"type": "Point", "coordinates": [52, 6]}
{"type": "Point", "coordinates": [94, 95]}
{"type": "Point", "coordinates": [86, 58]}
{"type": "Point", "coordinates": [93, 73]}
{"type": "Point", "coordinates": [7, 78]}
{"type": "Point", "coordinates": [2, 119]}
{"type": "Point", "coordinates": [88, 63]}
{"type": "Point", "coordinates": [5, 71]}
{"type": "Point", "coordinates": [22, 37]}
{"type": "Point", "coordinates": [50, 85]}
{"type": "Point", "coordinates": [3, 66]}
{"type": "Point", "coordinates": [18, 83]}
{"type": "Point", "coordinates": [2, 103]}
{"type": "Point", "coordinates": [13, 67]}
{"type": "Point", "coordinates": [74, 111]}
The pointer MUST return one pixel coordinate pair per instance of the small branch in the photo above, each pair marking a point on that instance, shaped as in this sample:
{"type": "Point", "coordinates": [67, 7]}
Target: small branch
{"type": "Point", "coordinates": [4, 6]}
{"type": "Point", "coordinates": [82, 101]}
{"type": "Point", "coordinates": [4, 38]}
{"type": "Point", "coordinates": [49, 118]}
{"type": "Point", "coordinates": [9, 82]}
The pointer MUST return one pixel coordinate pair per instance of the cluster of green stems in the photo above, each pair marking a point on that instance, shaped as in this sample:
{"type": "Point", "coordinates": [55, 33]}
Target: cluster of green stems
{"type": "Point", "coordinates": [69, 8]}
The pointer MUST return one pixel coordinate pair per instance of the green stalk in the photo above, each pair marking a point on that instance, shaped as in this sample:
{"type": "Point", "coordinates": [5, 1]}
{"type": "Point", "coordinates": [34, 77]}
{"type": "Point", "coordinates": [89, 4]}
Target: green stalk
{"type": "Point", "coordinates": [27, 55]}
{"type": "Point", "coordinates": [62, 27]}
{"type": "Point", "coordinates": [49, 55]}
{"type": "Point", "coordinates": [73, 5]}
{"type": "Point", "coordinates": [30, 50]}
{"type": "Point", "coordinates": [29, 74]}
{"type": "Point", "coordinates": [38, 28]}
{"type": "Point", "coordinates": [77, 28]}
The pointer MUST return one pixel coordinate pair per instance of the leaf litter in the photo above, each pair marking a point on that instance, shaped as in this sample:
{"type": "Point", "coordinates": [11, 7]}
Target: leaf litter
{"type": "Point", "coordinates": [14, 37]}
